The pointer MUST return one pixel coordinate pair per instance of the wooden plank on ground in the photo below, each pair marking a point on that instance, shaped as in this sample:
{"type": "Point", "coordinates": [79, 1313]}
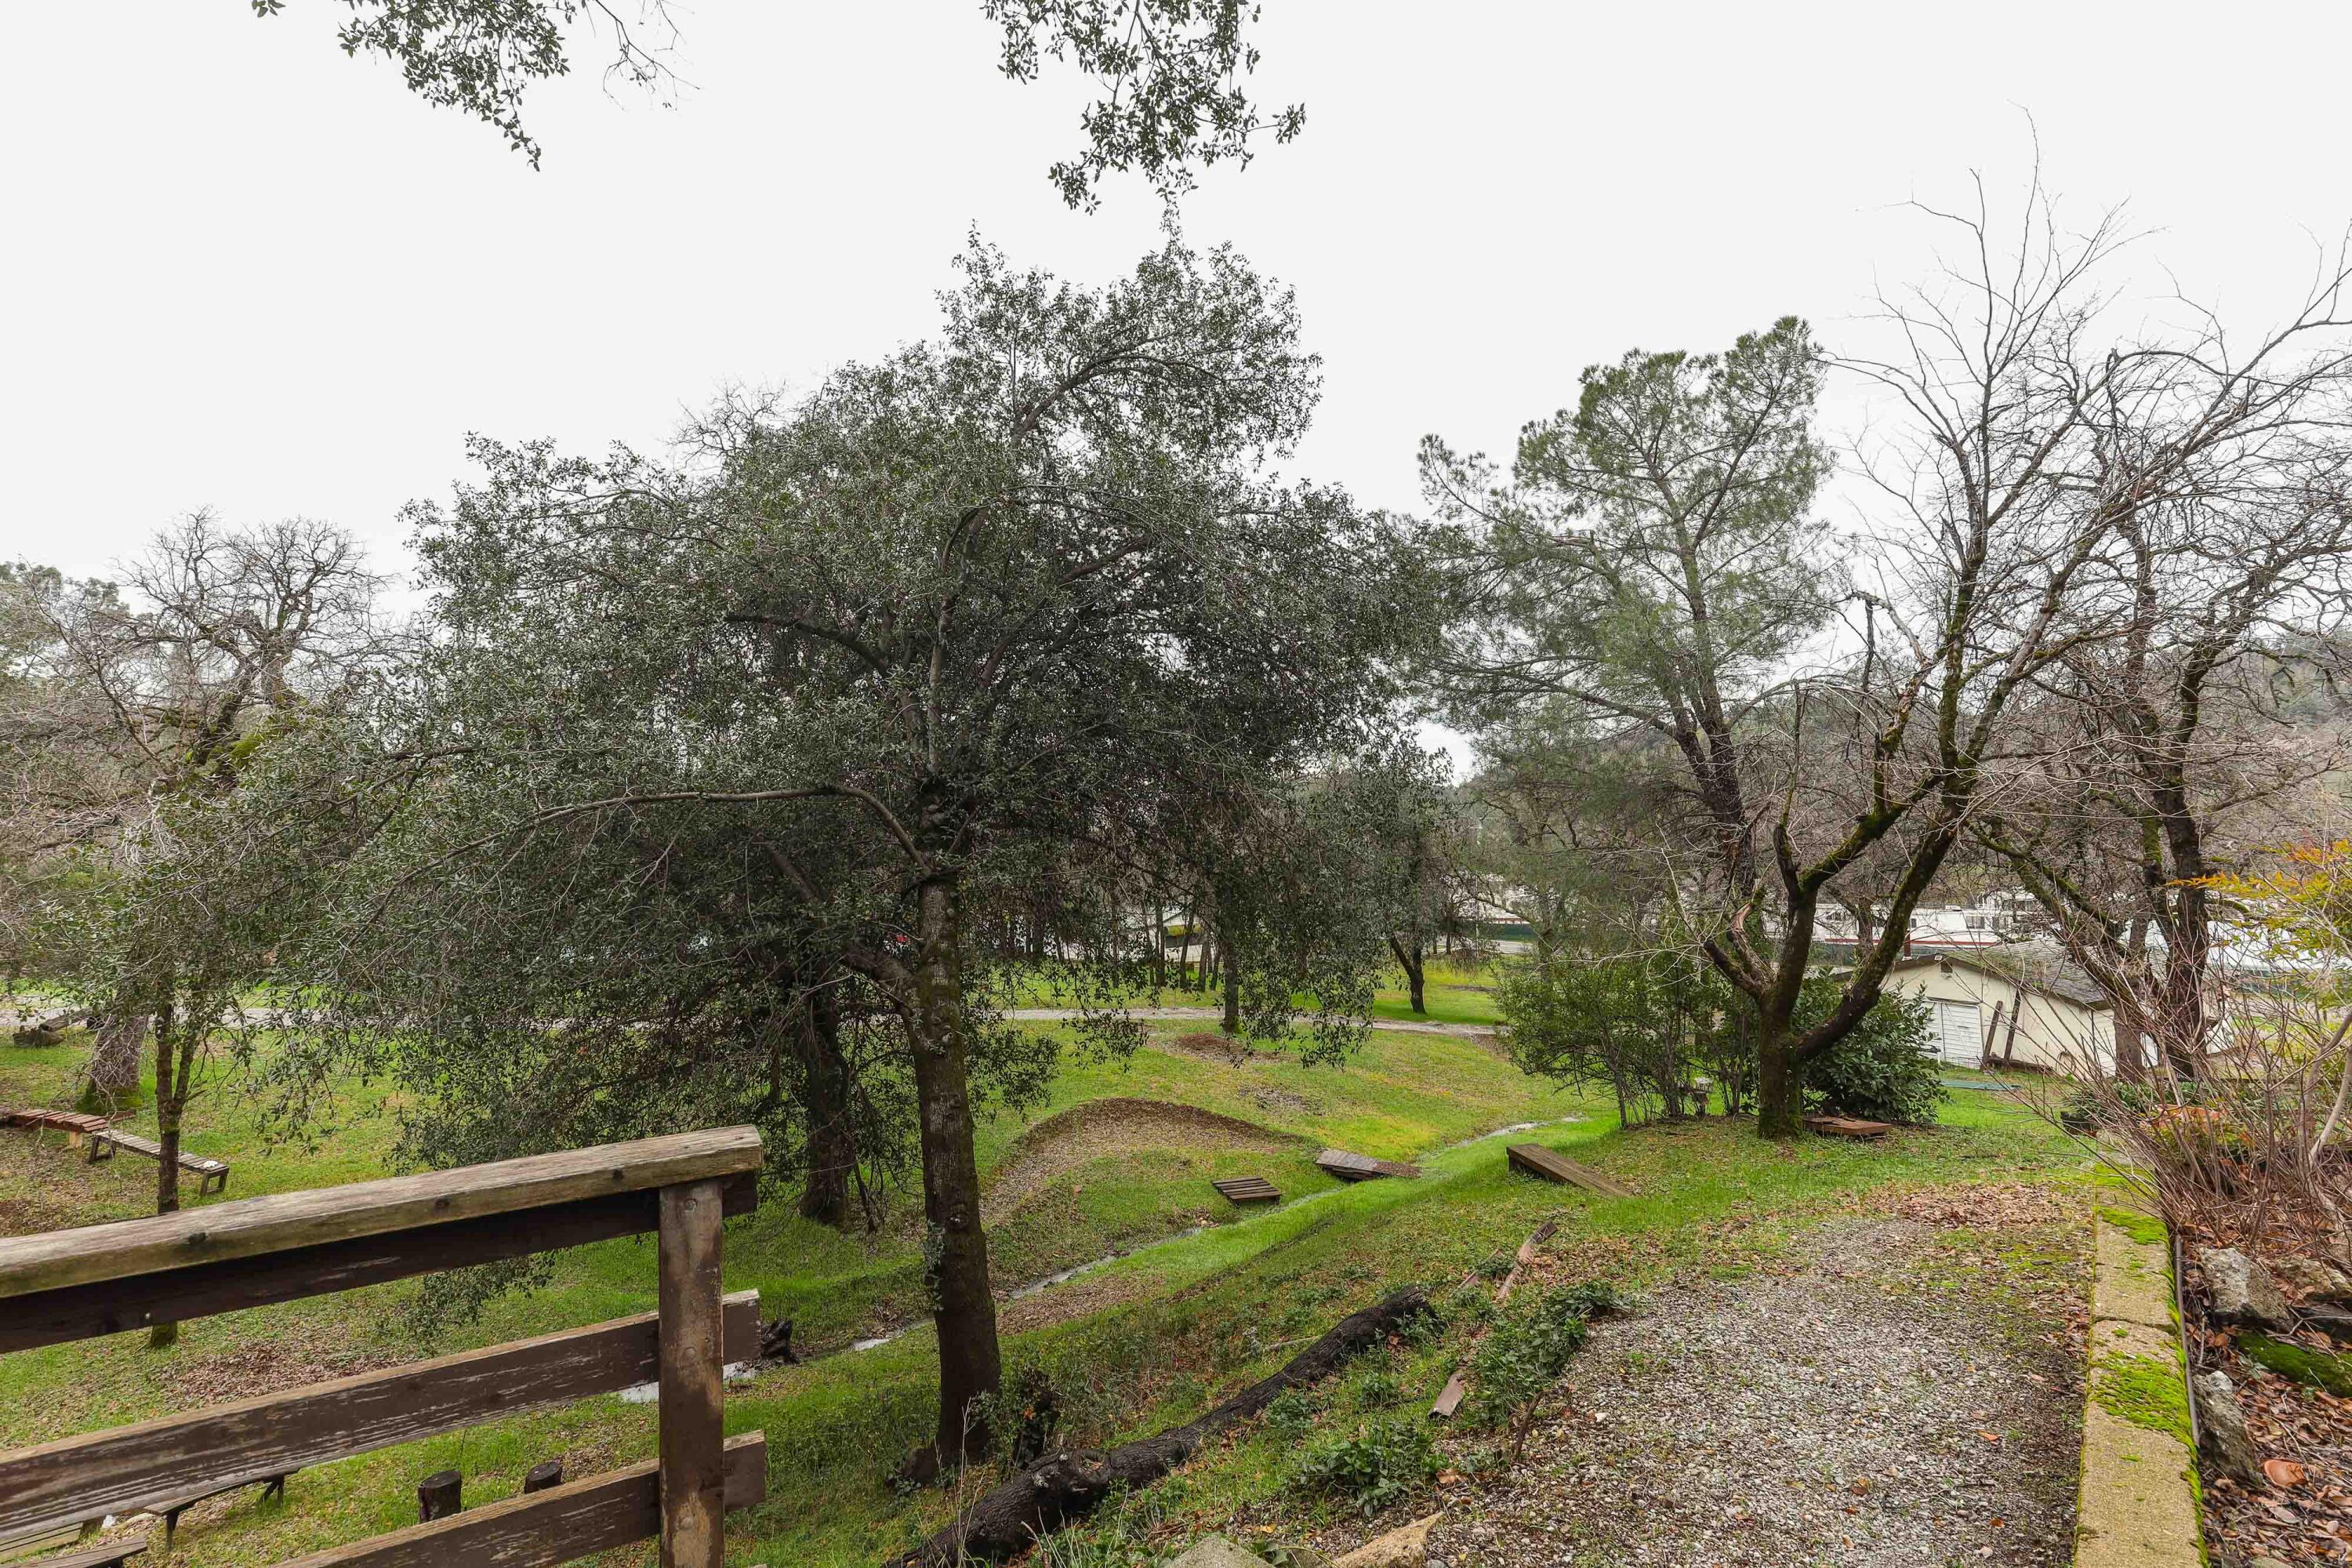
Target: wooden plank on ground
{"type": "Point", "coordinates": [1525, 1256]}
{"type": "Point", "coordinates": [549, 1527]}
{"type": "Point", "coordinates": [250, 1227]}
{"type": "Point", "coordinates": [1361, 1167]}
{"type": "Point", "coordinates": [95, 1557]}
{"type": "Point", "coordinates": [1538, 1160]}
{"type": "Point", "coordinates": [156, 1463]}
{"type": "Point", "coordinates": [1848, 1126]}
{"type": "Point", "coordinates": [228, 1285]}
{"type": "Point", "coordinates": [1249, 1190]}
{"type": "Point", "coordinates": [1449, 1400]}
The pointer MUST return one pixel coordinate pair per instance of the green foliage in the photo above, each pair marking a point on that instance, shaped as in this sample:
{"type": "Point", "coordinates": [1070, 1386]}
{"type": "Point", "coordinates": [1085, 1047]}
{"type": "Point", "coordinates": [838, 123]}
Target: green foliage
{"type": "Point", "coordinates": [1387, 1459]}
{"type": "Point", "coordinates": [1528, 1346]}
{"type": "Point", "coordinates": [1170, 72]}
{"type": "Point", "coordinates": [1642, 1022]}
{"type": "Point", "coordinates": [1292, 1414]}
{"type": "Point", "coordinates": [1120, 1534]}
{"type": "Point", "coordinates": [1653, 554]}
{"type": "Point", "coordinates": [1882, 1069]}
{"type": "Point", "coordinates": [1375, 1389]}
{"type": "Point", "coordinates": [1173, 72]}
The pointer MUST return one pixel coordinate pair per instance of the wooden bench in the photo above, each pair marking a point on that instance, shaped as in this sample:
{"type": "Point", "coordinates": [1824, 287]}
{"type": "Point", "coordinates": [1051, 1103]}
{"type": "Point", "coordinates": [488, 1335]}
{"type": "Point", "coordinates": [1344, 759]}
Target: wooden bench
{"type": "Point", "coordinates": [1848, 1126]}
{"type": "Point", "coordinates": [271, 1487]}
{"type": "Point", "coordinates": [1537, 1160]}
{"type": "Point", "coordinates": [212, 1175]}
{"type": "Point", "coordinates": [1249, 1190]}
{"type": "Point", "coordinates": [1362, 1168]}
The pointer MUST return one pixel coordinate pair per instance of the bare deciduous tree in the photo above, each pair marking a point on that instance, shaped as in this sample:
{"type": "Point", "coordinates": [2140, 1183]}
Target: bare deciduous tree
{"type": "Point", "coordinates": [155, 699]}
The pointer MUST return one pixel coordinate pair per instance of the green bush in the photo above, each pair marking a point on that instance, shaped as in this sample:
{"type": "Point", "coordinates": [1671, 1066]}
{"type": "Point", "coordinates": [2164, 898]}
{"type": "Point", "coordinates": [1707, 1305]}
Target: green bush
{"type": "Point", "coordinates": [1884, 1069]}
{"type": "Point", "coordinates": [1387, 1459]}
{"type": "Point", "coordinates": [2082, 1111]}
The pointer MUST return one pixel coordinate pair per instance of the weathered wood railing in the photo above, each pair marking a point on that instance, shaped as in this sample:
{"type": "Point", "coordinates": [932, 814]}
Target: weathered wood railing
{"type": "Point", "coordinates": [101, 1280]}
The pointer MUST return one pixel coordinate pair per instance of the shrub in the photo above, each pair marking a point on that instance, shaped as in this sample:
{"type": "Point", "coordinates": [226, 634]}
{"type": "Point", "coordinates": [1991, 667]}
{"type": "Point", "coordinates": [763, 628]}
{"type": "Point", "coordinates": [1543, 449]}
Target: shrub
{"type": "Point", "coordinates": [1291, 1414]}
{"type": "Point", "coordinates": [1883, 1070]}
{"type": "Point", "coordinates": [1387, 1459]}
{"type": "Point", "coordinates": [1526, 1350]}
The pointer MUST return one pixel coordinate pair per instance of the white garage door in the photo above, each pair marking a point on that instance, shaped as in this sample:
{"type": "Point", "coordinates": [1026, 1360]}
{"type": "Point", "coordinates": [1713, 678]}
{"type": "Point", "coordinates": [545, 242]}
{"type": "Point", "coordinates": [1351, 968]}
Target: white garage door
{"type": "Point", "coordinates": [1957, 1039]}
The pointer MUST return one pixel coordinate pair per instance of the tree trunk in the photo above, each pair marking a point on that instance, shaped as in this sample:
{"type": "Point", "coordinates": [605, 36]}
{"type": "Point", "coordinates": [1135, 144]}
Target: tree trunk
{"type": "Point", "coordinates": [1232, 980]}
{"type": "Point", "coordinates": [1780, 1097]}
{"type": "Point", "coordinates": [825, 1092]}
{"type": "Point", "coordinates": [1416, 968]}
{"type": "Point", "coordinates": [955, 1249]}
{"type": "Point", "coordinates": [114, 1065]}
{"type": "Point", "coordinates": [171, 1099]}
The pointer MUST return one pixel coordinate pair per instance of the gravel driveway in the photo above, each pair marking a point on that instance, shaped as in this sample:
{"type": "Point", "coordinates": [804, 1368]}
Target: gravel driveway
{"type": "Point", "coordinates": [1878, 1399]}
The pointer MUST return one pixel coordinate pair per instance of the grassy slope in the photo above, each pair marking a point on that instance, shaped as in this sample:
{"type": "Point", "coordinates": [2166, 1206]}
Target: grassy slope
{"type": "Point", "coordinates": [1403, 1093]}
{"type": "Point", "coordinates": [1197, 1315]}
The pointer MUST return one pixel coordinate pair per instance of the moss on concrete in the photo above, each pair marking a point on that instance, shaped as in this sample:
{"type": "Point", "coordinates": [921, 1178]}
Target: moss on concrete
{"type": "Point", "coordinates": [2143, 1391]}
{"type": "Point", "coordinates": [2144, 1228]}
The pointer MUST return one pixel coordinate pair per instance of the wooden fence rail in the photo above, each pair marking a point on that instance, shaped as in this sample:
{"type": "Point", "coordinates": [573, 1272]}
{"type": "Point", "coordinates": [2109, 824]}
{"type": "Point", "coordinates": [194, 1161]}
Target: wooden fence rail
{"type": "Point", "coordinates": [72, 1284]}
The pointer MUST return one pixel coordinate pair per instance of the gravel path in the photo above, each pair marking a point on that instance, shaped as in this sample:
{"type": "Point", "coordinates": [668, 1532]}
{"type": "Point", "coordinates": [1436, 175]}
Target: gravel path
{"type": "Point", "coordinates": [1876, 1400]}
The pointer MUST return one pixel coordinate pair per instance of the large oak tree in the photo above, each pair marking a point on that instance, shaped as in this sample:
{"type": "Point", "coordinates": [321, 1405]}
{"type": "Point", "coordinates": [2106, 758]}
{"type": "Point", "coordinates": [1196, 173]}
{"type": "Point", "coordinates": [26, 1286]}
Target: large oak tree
{"type": "Point", "coordinates": [941, 628]}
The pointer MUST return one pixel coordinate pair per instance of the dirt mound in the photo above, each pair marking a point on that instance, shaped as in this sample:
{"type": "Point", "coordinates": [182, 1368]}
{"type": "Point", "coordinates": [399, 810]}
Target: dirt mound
{"type": "Point", "coordinates": [1068, 1138]}
{"type": "Point", "coordinates": [1233, 1050]}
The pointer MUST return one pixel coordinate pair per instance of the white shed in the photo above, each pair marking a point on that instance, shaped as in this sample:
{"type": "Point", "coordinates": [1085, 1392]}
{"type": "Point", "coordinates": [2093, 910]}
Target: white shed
{"type": "Point", "coordinates": [2019, 1002]}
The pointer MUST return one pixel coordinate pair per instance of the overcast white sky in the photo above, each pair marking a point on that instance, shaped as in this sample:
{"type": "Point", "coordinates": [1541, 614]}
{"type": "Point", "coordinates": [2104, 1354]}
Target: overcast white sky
{"type": "Point", "coordinates": [243, 271]}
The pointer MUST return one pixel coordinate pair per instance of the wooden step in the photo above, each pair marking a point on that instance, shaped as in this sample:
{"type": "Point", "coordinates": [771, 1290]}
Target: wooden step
{"type": "Point", "coordinates": [1361, 1167]}
{"type": "Point", "coordinates": [1848, 1126]}
{"type": "Point", "coordinates": [1249, 1190]}
{"type": "Point", "coordinates": [76, 1125]}
{"type": "Point", "coordinates": [1537, 1160]}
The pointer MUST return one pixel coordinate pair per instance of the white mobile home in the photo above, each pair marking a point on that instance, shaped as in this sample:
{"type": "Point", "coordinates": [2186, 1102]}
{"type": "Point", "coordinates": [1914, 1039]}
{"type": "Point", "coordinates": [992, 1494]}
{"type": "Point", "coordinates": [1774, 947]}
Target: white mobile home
{"type": "Point", "coordinates": [2020, 1003]}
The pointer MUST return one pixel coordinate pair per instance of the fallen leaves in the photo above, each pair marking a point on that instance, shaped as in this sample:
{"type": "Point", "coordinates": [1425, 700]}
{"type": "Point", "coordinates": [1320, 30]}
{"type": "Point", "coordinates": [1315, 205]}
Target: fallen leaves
{"type": "Point", "coordinates": [2284, 1474]}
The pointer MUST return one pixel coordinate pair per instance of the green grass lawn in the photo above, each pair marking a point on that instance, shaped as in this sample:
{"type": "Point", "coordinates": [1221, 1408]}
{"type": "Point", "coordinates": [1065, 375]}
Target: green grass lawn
{"type": "Point", "coordinates": [1148, 1339]}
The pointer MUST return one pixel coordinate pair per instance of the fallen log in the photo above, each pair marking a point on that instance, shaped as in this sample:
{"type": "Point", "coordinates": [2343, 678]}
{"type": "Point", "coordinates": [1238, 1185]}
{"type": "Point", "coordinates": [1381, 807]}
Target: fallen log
{"type": "Point", "coordinates": [1011, 1517]}
{"type": "Point", "coordinates": [48, 1031]}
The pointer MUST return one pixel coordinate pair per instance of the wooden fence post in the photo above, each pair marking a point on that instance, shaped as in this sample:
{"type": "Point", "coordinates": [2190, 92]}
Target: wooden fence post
{"type": "Point", "coordinates": [541, 1476]}
{"type": "Point", "coordinates": [693, 1437]}
{"type": "Point", "coordinates": [438, 1496]}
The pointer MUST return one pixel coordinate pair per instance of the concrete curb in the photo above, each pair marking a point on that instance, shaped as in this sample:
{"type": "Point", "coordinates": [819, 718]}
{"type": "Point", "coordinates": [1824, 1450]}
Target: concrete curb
{"type": "Point", "coordinates": [2139, 1504]}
